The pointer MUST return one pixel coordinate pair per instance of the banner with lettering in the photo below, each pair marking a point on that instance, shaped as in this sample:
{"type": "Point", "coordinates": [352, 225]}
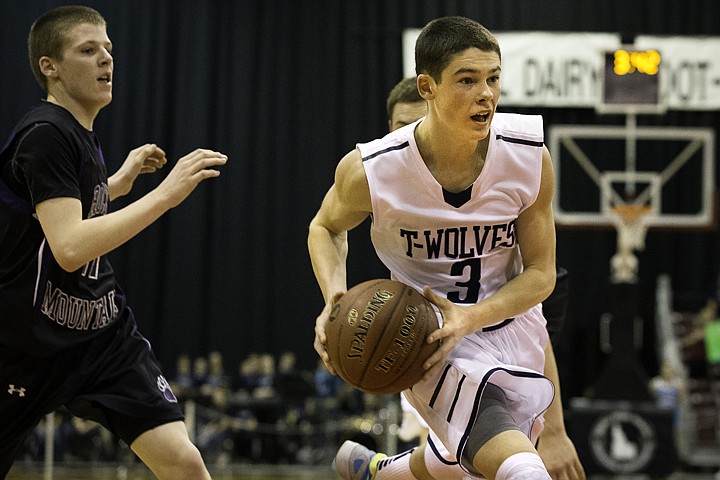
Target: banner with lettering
{"type": "Point", "coordinates": [690, 70]}
{"type": "Point", "coordinates": [564, 69]}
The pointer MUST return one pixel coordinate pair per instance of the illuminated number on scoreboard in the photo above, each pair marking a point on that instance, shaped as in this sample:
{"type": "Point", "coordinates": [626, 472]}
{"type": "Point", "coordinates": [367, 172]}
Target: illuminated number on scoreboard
{"type": "Point", "coordinates": [646, 62]}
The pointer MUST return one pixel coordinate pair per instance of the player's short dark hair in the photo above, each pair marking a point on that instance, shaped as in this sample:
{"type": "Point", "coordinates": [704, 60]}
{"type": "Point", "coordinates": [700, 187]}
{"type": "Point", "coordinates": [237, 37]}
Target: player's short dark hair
{"type": "Point", "coordinates": [49, 32]}
{"type": "Point", "coordinates": [444, 37]}
{"type": "Point", "coordinates": [405, 91]}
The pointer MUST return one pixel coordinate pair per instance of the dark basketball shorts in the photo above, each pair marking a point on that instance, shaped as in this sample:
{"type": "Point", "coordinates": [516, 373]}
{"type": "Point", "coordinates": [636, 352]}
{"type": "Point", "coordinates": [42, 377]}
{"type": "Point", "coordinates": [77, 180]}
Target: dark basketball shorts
{"type": "Point", "coordinates": [113, 379]}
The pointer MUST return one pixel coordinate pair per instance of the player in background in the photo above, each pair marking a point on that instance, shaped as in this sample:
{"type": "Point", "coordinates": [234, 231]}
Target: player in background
{"type": "Point", "coordinates": [406, 106]}
{"type": "Point", "coordinates": [461, 169]}
{"type": "Point", "coordinates": [67, 335]}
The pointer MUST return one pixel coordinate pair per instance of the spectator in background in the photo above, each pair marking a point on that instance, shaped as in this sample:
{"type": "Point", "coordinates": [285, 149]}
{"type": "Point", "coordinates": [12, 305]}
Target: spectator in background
{"type": "Point", "coordinates": [216, 370]}
{"type": "Point", "coordinates": [265, 381]}
{"type": "Point", "coordinates": [183, 383]}
{"type": "Point", "coordinates": [215, 435]}
{"type": "Point", "coordinates": [292, 384]}
{"type": "Point", "coordinates": [200, 376]}
{"type": "Point", "coordinates": [245, 379]}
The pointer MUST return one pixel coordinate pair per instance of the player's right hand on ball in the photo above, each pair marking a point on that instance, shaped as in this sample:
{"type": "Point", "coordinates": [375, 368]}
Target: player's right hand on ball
{"type": "Point", "coordinates": [189, 171]}
{"type": "Point", "coordinates": [320, 337]}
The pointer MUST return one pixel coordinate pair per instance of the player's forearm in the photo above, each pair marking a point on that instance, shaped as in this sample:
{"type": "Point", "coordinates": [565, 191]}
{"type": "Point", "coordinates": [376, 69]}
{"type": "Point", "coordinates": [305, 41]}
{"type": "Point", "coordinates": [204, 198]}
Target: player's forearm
{"type": "Point", "coordinates": [75, 243]}
{"type": "Point", "coordinates": [118, 185]}
{"type": "Point", "coordinates": [515, 297]}
{"type": "Point", "coordinates": [328, 254]}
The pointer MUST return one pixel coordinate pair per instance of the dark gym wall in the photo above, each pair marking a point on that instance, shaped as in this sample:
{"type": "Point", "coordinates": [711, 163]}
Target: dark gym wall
{"type": "Point", "coordinates": [285, 88]}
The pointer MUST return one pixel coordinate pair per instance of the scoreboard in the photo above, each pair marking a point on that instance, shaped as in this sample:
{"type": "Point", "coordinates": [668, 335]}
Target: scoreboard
{"type": "Point", "coordinates": [631, 82]}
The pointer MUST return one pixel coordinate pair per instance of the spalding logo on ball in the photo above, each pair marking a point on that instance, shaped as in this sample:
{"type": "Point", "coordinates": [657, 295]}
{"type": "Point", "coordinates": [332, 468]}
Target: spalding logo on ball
{"type": "Point", "coordinates": [377, 336]}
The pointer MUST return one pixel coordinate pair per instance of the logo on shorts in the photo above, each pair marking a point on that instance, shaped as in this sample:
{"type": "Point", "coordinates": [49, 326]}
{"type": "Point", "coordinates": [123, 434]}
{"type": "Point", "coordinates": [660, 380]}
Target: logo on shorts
{"type": "Point", "coordinates": [164, 387]}
{"type": "Point", "coordinates": [12, 390]}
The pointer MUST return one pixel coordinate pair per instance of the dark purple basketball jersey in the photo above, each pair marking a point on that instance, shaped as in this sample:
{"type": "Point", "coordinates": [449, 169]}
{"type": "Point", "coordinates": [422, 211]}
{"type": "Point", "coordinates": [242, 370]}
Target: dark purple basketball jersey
{"type": "Point", "coordinates": [43, 308]}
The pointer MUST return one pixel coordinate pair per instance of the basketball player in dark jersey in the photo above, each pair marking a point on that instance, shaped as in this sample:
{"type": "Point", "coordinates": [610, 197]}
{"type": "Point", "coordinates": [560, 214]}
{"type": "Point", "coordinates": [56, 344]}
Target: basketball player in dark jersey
{"type": "Point", "coordinates": [67, 336]}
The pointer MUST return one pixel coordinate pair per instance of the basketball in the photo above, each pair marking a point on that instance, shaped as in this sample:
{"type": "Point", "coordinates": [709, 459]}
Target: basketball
{"type": "Point", "coordinates": [376, 336]}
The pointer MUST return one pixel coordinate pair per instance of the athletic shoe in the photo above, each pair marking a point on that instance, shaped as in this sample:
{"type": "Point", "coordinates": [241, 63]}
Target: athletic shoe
{"type": "Point", "coordinates": [356, 462]}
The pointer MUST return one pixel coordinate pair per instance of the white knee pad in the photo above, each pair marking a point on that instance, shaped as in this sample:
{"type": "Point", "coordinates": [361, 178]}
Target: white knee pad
{"type": "Point", "coordinates": [523, 466]}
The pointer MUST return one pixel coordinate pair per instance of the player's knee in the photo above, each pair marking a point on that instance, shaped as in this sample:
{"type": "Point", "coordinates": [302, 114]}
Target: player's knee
{"type": "Point", "coordinates": [193, 464]}
{"type": "Point", "coordinates": [493, 419]}
{"type": "Point", "coordinates": [185, 463]}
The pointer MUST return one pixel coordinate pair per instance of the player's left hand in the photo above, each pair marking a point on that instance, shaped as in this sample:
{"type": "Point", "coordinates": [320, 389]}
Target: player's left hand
{"type": "Point", "coordinates": [456, 325]}
{"type": "Point", "coordinates": [560, 457]}
{"type": "Point", "coordinates": [144, 159]}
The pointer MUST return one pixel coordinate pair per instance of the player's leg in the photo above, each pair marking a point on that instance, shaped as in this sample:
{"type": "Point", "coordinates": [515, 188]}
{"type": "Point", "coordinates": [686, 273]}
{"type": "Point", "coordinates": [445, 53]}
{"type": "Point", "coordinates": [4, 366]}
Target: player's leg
{"type": "Point", "coordinates": [124, 390]}
{"type": "Point", "coordinates": [496, 447]}
{"type": "Point", "coordinates": [510, 456]}
{"type": "Point", "coordinates": [16, 420]}
{"type": "Point", "coordinates": [430, 461]}
{"type": "Point", "coordinates": [29, 387]}
{"type": "Point", "coordinates": [435, 462]}
{"type": "Point", "coordinates": [169, 453]}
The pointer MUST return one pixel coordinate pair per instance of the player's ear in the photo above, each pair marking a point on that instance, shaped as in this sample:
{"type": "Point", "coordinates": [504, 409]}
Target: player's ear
{"type": "Point", "coordinates": [48, 66]}
{"type": "Point", "coordinates": [426, 86]}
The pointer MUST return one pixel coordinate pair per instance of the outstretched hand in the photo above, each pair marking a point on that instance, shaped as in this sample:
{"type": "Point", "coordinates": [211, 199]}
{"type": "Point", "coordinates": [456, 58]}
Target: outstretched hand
{"type": "Point", "coordinates": [189, 171]}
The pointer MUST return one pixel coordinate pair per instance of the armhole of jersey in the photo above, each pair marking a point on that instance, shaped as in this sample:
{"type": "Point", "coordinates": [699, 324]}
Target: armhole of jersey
{"type": "Point", "coordinates": [371, 190]}
{"type": "Point", "coordinates": [7, 196]}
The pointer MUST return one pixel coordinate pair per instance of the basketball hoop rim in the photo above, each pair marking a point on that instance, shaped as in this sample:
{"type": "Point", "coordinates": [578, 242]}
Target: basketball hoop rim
{"type": "Point", "coordinates": [631, 213]}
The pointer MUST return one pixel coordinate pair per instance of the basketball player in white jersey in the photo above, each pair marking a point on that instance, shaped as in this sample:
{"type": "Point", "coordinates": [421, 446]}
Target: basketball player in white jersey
{"type": "Point", "coordinates": [461, 210]}
{"type": "Point", "coordinates": [405, 106]}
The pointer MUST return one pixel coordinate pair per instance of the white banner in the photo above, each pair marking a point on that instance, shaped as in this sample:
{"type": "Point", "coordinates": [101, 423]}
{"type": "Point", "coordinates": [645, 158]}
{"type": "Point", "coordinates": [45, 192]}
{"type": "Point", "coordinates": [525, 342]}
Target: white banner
{"type": "Point", "coordinates": [553, 69]}
{"type": "Point", "coordinates": [690, 70]}
{"type": "Point", "coordinates": [561, 70]}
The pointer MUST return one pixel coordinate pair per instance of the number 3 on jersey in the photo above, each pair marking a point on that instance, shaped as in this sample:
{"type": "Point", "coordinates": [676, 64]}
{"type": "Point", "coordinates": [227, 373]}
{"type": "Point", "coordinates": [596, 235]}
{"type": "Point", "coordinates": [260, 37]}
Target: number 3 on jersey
{"type": "Point", "coordinates": [469, 269]}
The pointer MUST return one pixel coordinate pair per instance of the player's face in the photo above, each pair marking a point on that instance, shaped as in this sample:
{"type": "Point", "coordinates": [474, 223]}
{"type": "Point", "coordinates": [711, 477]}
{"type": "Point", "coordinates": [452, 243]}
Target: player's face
{"type": "Point", "coordinates": [84, 73]}
{"type": "Point", "coordinates": [468, 93]}
{"type": "Point", "coordinates": [406, 113]}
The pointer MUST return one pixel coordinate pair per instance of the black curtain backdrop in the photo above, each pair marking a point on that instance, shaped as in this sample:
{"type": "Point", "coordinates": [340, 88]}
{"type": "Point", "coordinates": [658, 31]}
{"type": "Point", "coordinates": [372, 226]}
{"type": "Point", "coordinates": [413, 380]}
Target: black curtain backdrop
{"type": "Point", "coordinates": [285, 88]}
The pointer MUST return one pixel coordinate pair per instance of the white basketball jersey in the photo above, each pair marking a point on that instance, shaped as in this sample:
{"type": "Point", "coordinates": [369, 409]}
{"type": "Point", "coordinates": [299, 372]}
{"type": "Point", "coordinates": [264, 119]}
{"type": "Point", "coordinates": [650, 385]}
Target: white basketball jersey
{"type": "Point", "coordinates": [463, 245]}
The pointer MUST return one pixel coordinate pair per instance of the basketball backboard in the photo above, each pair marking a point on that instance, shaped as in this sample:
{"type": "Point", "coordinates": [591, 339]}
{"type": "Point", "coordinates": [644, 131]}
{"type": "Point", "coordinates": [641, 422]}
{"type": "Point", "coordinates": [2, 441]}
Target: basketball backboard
{"type": "Point", "coordinates": [671, 170]}
{"type": "Point", "coordinates": [668, 173]}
